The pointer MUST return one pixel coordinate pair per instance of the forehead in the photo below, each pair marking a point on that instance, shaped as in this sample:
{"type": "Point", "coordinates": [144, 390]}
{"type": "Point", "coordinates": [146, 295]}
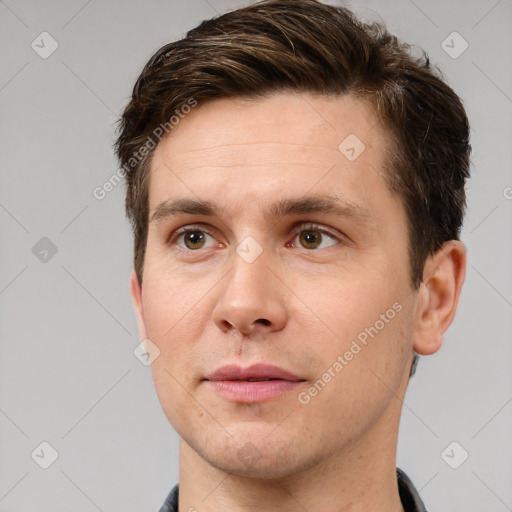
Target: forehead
{"type": "Point", "coordinates": [288, 118]}
{"type": "Point", "coordinates": [269, 145]}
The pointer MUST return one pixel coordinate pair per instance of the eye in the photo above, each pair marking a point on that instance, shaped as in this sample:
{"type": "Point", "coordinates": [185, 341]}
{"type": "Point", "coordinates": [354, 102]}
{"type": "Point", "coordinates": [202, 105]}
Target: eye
{"type": "Point", "coordinates": [312, 237]}
{"type": "Point", "coordinates": [192, 239]}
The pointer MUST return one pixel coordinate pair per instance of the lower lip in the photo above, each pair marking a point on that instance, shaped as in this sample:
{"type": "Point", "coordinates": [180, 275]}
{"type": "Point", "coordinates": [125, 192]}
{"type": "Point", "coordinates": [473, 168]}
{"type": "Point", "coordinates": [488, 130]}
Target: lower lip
{"type": "Point", "coordinates": [251, 392]}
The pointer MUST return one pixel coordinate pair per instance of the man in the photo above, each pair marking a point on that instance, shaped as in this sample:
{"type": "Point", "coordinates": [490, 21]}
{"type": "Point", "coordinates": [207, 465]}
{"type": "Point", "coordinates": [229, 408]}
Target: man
{"type": "Point", "coordinates": [295, 181]}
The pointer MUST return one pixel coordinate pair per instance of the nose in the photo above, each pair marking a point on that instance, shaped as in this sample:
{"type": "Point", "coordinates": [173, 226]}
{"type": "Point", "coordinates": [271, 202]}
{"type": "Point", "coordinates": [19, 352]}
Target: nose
{"type": "Point", "coordinates": [251, 300]}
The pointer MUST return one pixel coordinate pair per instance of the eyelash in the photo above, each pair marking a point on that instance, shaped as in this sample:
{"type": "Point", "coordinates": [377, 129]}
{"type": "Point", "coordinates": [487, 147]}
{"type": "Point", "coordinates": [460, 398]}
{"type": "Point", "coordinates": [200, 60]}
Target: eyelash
{"type": "Point", "coordinates": [301, 227]}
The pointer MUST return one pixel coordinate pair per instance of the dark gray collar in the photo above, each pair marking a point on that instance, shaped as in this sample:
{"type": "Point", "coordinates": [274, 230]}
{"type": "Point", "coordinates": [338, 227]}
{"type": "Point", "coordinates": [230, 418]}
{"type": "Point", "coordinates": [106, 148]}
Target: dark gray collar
{"type": "Point", "coordinates": [409, 496]}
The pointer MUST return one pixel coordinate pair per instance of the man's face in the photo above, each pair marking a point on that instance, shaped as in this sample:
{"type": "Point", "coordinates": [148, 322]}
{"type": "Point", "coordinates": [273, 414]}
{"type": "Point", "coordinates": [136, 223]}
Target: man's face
{"type": "Point", "coordinates": [294, 288]}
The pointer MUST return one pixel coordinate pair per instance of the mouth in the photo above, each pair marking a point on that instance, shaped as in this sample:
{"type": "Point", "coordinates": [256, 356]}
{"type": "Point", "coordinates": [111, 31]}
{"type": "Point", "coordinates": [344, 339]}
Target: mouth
{"type": "Point", "coordinates": [257, 379]}
{"type": "Point", "coordinates": [257, 383]}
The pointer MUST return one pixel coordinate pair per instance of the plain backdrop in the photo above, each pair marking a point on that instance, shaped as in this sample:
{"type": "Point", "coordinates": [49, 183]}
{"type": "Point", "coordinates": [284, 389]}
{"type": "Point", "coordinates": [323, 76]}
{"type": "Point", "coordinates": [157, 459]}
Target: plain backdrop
{"type": "Point", "coordinates": [68, 375]}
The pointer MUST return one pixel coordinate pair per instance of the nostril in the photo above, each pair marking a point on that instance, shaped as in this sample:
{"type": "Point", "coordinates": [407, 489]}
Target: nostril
{"type": "Point", "coordinates": [264, 321]}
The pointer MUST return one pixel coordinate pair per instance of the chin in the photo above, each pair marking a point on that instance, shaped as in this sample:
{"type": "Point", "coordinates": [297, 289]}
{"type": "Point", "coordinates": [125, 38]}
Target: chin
{"type": "Point", "coordinates": [256, 451]}
{"type": "Point", "coordinates": [251, 462]}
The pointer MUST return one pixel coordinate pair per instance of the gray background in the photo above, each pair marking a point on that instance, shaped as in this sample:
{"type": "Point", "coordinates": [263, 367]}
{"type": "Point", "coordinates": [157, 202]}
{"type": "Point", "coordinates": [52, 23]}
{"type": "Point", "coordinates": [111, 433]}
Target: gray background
{"type": "Point", "coordinates": [68, 375]}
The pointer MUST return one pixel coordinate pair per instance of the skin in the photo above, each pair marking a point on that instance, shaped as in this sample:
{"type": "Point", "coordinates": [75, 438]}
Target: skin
{"type": "Point", "coordinates": [203, 307]}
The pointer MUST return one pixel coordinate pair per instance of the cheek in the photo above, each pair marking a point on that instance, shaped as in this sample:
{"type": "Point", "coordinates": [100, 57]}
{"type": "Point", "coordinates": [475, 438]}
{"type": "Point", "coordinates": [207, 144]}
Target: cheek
{"type": "Point", "coordinates": [173, 323]}
{"type": "Point", "coordinates": [367, 330]}
{"type": "Point", "coordinates": [171, 304]}
{"type": "Point", "coordinates": [367, 376]}
{"type": "Point", "coordinates": [344, 304]}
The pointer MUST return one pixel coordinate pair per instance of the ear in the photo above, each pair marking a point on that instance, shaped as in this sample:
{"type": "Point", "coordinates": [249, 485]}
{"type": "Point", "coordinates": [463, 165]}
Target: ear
{"type": "Point", "coordinates": [136, 293]}
{"type": "Point", "coordinates": [438, 296]}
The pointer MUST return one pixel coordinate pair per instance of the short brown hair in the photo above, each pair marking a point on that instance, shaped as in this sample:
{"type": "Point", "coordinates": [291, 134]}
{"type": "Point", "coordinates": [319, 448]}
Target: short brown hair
{"type": "Point", "coordinates": [306, 46]}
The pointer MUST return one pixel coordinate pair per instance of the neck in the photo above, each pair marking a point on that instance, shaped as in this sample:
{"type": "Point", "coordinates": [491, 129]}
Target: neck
{"type": "Point", "coordinates": [360, 477]}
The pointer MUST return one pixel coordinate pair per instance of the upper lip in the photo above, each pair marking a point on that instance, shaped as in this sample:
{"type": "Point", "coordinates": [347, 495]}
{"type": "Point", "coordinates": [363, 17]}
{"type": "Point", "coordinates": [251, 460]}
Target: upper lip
{"type": "Point", "coordinates": [256, 371]}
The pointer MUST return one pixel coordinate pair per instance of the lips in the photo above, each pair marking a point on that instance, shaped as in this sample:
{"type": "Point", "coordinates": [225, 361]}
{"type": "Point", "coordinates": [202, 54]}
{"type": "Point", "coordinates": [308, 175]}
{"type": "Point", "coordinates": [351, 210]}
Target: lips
{"type": "Point", "coordinates": [257, 372]}
{"type": "Point", "coordinates": [257, 383]}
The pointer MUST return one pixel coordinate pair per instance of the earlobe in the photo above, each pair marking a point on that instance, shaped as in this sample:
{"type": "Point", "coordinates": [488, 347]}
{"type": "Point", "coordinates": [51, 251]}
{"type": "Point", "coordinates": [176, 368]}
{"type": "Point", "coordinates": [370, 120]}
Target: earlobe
{"type": "Point", "coordinates": [136, 293]}
{"type": "Point", "coordinates": [438, 296]}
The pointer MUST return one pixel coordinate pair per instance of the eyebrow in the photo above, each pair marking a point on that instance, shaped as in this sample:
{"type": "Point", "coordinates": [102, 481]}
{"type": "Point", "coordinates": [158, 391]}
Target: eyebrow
{"type": "Point", "coordinates": [282, 208]}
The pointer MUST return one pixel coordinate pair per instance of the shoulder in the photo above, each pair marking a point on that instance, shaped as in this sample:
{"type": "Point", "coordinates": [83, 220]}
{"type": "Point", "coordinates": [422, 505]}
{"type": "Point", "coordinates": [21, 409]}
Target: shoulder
{"type": "Point", "coordinates": [171, 502]}
{"type": "Point", "coordinates": [409, 496]}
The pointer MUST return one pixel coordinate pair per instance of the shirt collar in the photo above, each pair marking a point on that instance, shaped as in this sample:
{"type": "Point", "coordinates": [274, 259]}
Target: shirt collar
{"type": "Point", "coordinates": [409, 496]}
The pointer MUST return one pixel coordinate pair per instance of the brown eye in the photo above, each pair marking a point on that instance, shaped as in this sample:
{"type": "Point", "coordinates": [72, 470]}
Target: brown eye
{"type": "Point", "coordinates": [194, 239]}
{"type": "Point", "coordinates": [310, 238]}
